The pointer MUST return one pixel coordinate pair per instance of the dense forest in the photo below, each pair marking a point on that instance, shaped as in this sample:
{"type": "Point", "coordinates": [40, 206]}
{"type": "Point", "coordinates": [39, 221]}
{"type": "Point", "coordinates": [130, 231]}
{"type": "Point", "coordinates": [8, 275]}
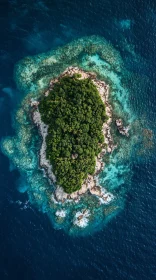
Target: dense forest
{"type": "Point", "coordinates": [75, 114]}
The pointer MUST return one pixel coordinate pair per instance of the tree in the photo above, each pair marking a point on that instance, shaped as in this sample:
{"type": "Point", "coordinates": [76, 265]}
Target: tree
{"type": "Point", "coordinates": [74, 112]}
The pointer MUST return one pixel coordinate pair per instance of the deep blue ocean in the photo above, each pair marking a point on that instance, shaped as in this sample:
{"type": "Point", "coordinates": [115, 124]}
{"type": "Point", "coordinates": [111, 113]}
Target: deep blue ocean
{"type": "Point", "coordinates": [30, 249]}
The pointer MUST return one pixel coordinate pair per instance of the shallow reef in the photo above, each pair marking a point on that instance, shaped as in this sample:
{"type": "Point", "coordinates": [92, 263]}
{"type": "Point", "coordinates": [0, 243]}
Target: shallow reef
{"type": "Point", "coordinates": [32, 76]}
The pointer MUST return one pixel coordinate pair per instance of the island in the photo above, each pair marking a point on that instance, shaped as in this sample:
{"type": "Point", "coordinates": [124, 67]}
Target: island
{"type": "Point", "coordinates": [73, 117]}
{"type": "Point", "coordinates": [74, 133]}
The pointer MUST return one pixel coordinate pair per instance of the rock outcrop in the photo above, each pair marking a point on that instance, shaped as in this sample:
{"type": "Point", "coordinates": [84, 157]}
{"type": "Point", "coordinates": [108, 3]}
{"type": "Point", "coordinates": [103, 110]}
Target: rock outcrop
{"type": "Point", "coordinates": [122, 130]}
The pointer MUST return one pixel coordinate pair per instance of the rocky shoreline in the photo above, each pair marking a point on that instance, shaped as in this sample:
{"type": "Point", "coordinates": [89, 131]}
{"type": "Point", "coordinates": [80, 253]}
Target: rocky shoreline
{"type": "Point", "coordinates": [91, 183]}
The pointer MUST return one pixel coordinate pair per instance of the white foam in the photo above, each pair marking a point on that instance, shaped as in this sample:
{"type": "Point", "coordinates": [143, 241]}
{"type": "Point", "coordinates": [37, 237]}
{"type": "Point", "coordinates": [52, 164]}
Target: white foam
{"type": "Point", "coordinates": [81, 218]}
{"type": "Point", "coordinates": [61, 213]}
{"type": "Point", "coordinates": [106, 198]}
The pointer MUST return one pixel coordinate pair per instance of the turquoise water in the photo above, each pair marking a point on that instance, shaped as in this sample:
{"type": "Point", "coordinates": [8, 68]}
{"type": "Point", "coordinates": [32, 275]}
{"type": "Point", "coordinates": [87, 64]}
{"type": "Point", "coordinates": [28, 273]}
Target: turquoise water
{"type": "Point", "coordinates": [32, 76]}
{"type": "Point", "coordinates": [33, 245]}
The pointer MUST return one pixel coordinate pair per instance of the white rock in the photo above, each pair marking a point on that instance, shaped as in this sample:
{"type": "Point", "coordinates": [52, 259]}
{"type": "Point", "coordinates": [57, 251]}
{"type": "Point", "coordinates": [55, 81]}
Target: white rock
{"type": "Point", "coordinates": [60, 194]}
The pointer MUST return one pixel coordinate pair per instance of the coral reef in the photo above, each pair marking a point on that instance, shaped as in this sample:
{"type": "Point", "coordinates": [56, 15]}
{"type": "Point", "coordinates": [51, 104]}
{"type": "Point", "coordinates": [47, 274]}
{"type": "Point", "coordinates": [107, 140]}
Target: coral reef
{"type": "Point", "coordinates": [32, 75]}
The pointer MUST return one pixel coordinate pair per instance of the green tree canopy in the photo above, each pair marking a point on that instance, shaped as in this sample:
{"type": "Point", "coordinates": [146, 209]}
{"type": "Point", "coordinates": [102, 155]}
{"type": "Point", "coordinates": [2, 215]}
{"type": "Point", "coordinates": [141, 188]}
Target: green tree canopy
{"type": "Point", "coordinates": [75, 114]}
